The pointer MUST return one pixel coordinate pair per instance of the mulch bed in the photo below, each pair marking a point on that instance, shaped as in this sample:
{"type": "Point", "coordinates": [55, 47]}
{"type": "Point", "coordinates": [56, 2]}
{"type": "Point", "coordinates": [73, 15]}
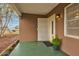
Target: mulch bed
{"type": "Point", "coordinates": [5, 42]}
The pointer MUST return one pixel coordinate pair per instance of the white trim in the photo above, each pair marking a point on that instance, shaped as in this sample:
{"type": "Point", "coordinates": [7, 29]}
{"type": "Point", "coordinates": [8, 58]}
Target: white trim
{"type": "Point", "coordinates": [54, 24]}
{"type": "Point", "coordinates": [75, 37]}
{"type": "Point", "coordinates": [65, 27]}
{"type": "Point", "coordinates": [50, 20]}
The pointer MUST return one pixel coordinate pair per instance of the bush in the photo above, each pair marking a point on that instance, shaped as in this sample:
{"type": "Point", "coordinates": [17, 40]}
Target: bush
{"type": "Point", "coordinates": [56, 42]}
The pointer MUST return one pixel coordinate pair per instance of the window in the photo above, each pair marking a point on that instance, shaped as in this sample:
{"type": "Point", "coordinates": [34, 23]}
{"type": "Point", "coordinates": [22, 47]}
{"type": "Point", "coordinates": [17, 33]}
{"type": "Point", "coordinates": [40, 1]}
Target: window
{"type": "Point", "coordinates": [71, 21]}
{"type": "Point", "coordinates": [52, 28]}
{"type": "Point", "coordinates": [9, 21]}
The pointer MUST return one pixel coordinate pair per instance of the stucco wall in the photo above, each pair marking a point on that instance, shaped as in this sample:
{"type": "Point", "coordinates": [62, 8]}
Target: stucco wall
{"type": "Point", "coordinates": [69, 45]}
{"type": "Point", "coordinates": [28, 27]}
{"type": "Point", "coordinates": [28, 30]}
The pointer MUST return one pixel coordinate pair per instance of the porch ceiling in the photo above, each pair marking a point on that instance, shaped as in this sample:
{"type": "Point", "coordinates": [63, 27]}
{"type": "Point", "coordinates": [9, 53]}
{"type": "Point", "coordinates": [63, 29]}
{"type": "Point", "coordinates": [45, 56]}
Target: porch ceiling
{"type": "Point", "coordinates": [36, 8]}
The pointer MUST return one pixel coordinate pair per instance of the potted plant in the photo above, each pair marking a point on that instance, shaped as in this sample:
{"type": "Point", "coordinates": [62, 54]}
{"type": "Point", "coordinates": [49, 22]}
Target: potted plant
{"type": "Point", "coordinates": [56, 42]}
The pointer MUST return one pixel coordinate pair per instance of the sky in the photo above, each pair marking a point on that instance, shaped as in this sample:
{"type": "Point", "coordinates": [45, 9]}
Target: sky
{"type": "Point", "coordinates": [14, 23]}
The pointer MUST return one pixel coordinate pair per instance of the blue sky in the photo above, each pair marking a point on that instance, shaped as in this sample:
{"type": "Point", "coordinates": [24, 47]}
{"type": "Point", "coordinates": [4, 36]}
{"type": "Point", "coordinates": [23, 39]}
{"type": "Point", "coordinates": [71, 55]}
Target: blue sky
{"type": "Point", "coordinates": [14, 22]}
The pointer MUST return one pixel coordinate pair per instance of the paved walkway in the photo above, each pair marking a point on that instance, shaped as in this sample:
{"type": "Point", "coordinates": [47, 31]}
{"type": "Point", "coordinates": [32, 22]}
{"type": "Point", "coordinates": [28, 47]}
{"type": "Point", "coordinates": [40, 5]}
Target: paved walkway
{"type": "Point", "coordinates": [35, 49]}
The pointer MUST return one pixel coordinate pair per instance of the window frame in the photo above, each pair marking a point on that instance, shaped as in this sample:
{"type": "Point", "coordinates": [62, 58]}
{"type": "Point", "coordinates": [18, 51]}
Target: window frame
{"type": "Point", "coordinates": [65, 24]}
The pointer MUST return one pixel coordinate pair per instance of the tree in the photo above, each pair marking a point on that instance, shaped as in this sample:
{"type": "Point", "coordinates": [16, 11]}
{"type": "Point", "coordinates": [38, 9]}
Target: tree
{"type": "Point", "coordinates": [6, 13]}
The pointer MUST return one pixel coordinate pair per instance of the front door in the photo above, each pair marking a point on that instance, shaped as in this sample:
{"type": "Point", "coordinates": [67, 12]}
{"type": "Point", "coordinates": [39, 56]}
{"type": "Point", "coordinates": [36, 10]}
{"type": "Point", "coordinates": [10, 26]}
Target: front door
{"type": "Point", "coordinates": [42, 29]}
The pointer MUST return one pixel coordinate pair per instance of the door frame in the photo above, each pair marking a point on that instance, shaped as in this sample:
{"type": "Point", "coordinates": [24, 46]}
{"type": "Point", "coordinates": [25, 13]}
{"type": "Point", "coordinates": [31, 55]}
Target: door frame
{"type": "Point", "coordinates": [52, 19]}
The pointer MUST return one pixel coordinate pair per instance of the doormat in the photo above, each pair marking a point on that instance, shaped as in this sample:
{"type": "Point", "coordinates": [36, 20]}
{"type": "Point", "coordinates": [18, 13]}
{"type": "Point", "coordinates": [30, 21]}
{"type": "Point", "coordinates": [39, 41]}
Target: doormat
{"type": "Point", "coordinates": [47, 43]}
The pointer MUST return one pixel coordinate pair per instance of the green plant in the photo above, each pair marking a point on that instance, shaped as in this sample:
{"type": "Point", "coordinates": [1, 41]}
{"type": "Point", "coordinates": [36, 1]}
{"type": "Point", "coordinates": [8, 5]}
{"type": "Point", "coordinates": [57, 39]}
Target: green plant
{"type": "Point", "coordinates": [56, 42]}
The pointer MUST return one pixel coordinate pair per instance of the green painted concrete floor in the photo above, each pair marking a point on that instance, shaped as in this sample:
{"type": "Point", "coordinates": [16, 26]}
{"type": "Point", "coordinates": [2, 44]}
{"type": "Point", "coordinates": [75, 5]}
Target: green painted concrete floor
{"type": "Point", "coordinates": [35, 49]}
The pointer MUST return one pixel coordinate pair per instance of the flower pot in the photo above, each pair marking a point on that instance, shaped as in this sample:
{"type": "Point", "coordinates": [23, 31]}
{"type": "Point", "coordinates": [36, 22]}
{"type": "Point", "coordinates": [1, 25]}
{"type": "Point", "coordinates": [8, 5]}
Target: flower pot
{"type": "Point", "coordinates": [56, 47]}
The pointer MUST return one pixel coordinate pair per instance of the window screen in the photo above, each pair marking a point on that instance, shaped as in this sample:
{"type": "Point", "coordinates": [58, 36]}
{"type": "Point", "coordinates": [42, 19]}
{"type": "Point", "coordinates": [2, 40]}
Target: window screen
{"type": "Point", "coordinates": [72, 20]}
